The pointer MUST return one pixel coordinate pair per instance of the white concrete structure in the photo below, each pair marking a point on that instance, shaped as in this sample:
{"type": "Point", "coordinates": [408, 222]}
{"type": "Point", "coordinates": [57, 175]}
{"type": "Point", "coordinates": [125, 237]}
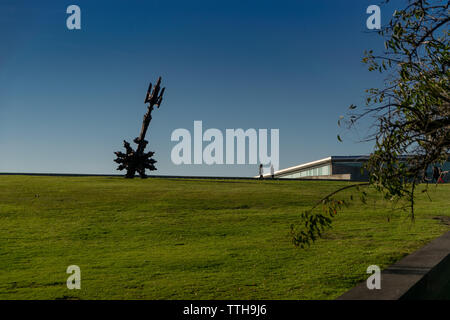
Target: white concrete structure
{"type": "Point", "coordinates": [332, 167]}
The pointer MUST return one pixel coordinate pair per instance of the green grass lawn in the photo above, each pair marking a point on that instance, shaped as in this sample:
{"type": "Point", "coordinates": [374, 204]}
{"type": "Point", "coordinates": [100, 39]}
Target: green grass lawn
{"type": "Point", "coordinates": [194, 239]}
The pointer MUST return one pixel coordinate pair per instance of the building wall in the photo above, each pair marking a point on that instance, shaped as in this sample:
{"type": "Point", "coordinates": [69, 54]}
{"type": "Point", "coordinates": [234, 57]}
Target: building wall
{"type": "Point", "coordinates": [352, 168]}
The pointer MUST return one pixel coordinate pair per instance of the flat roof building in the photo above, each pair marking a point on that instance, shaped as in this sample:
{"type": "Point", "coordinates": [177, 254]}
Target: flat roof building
{"type": "Point", "coordinates": [335, 168]}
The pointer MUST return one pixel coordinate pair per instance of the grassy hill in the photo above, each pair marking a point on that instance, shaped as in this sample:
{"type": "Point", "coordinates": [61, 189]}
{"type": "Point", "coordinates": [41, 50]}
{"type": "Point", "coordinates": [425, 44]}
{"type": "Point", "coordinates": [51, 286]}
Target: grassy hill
{"type": "Point", "coordinates": [194, 239]}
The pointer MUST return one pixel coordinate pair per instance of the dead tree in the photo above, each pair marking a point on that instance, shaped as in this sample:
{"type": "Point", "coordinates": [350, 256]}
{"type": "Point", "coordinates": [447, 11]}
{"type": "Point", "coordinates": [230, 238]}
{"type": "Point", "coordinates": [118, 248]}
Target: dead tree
{"type": "Point", "coordinates": [138, 160]}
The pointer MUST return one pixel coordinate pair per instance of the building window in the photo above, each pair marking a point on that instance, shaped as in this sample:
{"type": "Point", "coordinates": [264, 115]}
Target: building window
{"type": "Point", "coordinates": [324, 170]}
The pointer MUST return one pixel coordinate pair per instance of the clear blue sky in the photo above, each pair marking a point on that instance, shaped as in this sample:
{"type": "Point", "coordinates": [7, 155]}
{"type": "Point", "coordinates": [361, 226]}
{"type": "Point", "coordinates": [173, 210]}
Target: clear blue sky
{"type": "Point", "coordinates": [69, 98]}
